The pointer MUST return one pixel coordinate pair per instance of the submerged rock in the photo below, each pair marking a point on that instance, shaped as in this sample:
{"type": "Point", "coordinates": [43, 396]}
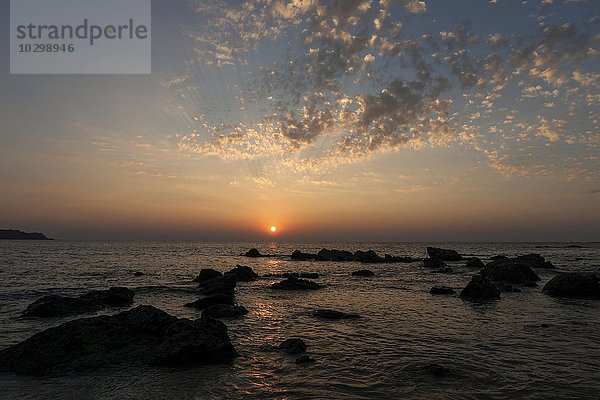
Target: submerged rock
{"type": "Point", "coordinates": [138, 273]}
{"type": "Point", "coordinates": [475, 263]}
{"type": "Point", "coordinates": [304, 359]}
{"type": "Point", "coordinates": [443, 271]}
{"type": "Point", "coordinates": [211, 300]}
{"type": "Point", "coordinates": [334, 255]}
{"type": "Point", "coordinates": [363, 272]}
{"type": "Point", "coordinates": [509, 271]}
{"type": "Point", "coordinates": [573, 285]}
{"type": "Point", "coordinates": [220, 285]}
{"type": "Point", "coordinates": [444, 254]}
{"type": "Point", "coordinates": [144, 335]}
{"type": "Point", "coordinates": [441, 290]}
{"type": "Point", "coordinates": [253, 253]}
{"type": "Point", "coordinates": [433, 262]}
{"type": "Point", "coordinates": [334, 314]}
{"type": "Point", "coordinates": [398, 259]}
{"type": "Point", "coordinates": [292, 346]}
{"type": "Point", "coordinates": [437, 370]}
{"type": "Point", "coordinates": [243, 273]}
{"type": "Point", "coordinates": [59, 306]}
{"type": "Point", "coordinates": [480, 288]}
{"type": "Point", "coordinates": [298, 255]}
{"type": "Point", "coordinates": [225, 311]}
{"type": "Point", "coordinates": [207, 274]}
{"type": "Point", "coordinates": [294, 283]}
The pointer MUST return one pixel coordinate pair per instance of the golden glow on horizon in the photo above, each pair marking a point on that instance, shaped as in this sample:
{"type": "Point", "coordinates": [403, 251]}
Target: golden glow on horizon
{"type": "Point", "coordinates": [273, 229]}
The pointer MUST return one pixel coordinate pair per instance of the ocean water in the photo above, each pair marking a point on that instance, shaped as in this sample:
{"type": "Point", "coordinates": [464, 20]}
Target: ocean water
{"type": "Point", "coordinates": [497, 350]}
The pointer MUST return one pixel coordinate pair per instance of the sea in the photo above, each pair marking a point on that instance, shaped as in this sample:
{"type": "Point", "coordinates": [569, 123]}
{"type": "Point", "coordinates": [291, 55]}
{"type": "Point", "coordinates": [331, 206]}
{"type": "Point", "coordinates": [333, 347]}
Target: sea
{"type": "Point", "coordinates": [525, 346]}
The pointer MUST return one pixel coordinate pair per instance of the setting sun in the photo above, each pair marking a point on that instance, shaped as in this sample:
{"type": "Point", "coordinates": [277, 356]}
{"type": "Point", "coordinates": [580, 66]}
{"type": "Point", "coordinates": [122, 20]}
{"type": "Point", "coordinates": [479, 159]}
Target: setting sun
{"type": "Point", "coordinates": [273, 229]}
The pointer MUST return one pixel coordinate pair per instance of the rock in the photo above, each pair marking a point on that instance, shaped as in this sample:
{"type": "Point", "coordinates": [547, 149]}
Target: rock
{"type": "Point", "coordinates": [304, 359]}
{"type": "Point", "coordinates": [441, 290]}
{"type": "Point", "coordinates": [253, 253]}
{"type": "Point", "coordinates": [498, 258]}
{"type": "Point", "coordinates": [432, 262]}
{"type": "Point", "coordinates": [211, 301]}
{"type": "Point", "coordinates": [480, 288]}
{"type": "Point", "coordinates": [207, 274]}
{"type": "Point", "coordinates": [292, 346]}
{"type": "Point", "coordinates": [573, 285]}
{"type": "Point", "coordinates": [225, 311]}
{"type": "Point", "coordinates": [59, 306]}
{"type": "Point", "coordinates": [143, 335]}
{"type": "Point", "coordinates": [443, 271]}
{"type": "Point", "coordinates": [475, 263]}
{"type": "Point", "coordinates": [220, 285]}
{"type": "Point", "coordinates": [444, 254]}
{"type": "Point", "coordinates": [12, 234]}
{"type": "Point", "coordinates": [243, 273]}
{"type": "Point", "coordinates": [298, 255]}
{"type": "Point", "coordinates": [334, 314]}
{"type": "Point", "coordinates": [307, 275]}
{"type": "Point", "coordinates": [367, 256]}
{"type": "Point", "coordinates": [508, 288]}
{"type": "Point", "coordinates": [436, 370]}
{"type": "Point", "coordinates": [363, 272]}
{"type": "Point", "coordinates": [293, 283]}
{"type": "Point", "coordinates": [398, 259]}
{"type": "Point", "coordinates": [138, 273]}
{"type": "Point", "coordinates": [509, 271]}
{"type": "Point", "coordinates": [534, 261]}
{"type": "Point", "coordinates": [334, 255]}
{"type": "Point", "coordinates": [530, 284]}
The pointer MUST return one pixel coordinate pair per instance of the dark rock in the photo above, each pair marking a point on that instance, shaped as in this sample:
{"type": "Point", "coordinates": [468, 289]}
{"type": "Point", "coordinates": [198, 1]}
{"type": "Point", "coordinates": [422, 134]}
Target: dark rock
{"type": "Point", "coordinates": [436, 370]}
{"type": "Point", "coordinates": [573, 285]}
{"type": "Point", "coordinates": [253, 253]}
{"type": "Point", "coordinates": [143, 335]}
{"type": "Point", "coordinates": [307, 275]}
{"type": "Point", "coordinates": [334, 255]}
{"type": "Point", "coordinates": [137, 273]}
{"type": "Point", "coordinates": [441, 290]}
{"type": "Point", "coordinates": [363, 272]}
{"type": "Point", "coordinates": [367, 256]}
{"type": "Point", "coordinates": [304, 359]}
{"type": "Point", "coordinates": [225, 311]}
{"type": "Point", "coordinates": [211, 300]}
{"type": "Point", "coordinates": [475, 263]}
{"type": "Point", "coordinates": [443, 271]}
{"type": "Point", "coordinates": [509, 271]}
{"type": "Point", "coordinates": [534, 261]}
{"type": "Point", "coordinates": [207, 274]}
{"type": "Point", "coordinates": [432, 262]}
{"type": "Point", "coordinates": [444, 254]}
{"type": "Point", "coordinates": [334, 314]}
{"type": "Point", "coordinates": [58, 306]}
{"type": "Point", "coordinates": [12, 234]}
{"type": "Point", "coordinates": [504, 287]}
{"type": "Point", "coordinates": [293, 283]}
{"type": "Point", "coordinates": [298, 255]}
{"type": "Point", "coordinates": [480, 288]}
{"type": "Point", "coordinates": [530, 284]}
{"type": "Point", "coordinates": [292, 346]}
{"type": "Point", "coordinates": [243, 273]}
{"type": "Point", "coordinates": [498, 258]}
{"type": "Point", "coordinates": [220, 285]}
{"type": "Point", "coordinates": [398, 259]}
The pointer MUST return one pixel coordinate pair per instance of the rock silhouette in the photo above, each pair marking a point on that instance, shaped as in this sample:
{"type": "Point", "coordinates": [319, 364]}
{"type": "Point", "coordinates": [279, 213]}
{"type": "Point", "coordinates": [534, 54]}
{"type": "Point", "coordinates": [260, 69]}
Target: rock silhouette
{"type": "Point", "coordinates": [225, 311]}
{"type": "Point", "coordinates": [434, 262]}
{"type": "Point", "coordinates": [444, 254]}
{"type": "Point", "coordinates": [144, 335]}
{"type": "Point", "coordinates": [509, 271]}
{"type": "Point", "coordinates": [479, 289]}
{"type": "Point", "coordinates": [573, 285]}
{"type": "Point", "coordinates": [363, 272]}
{"type": "Point", "coordinates": [243, 273]}
{"type": "Point", "coordinates": [12, 234]}
{"type": "Point", "coordinates": [294, 283]}
{"type": "Point", "coordinates": [475, 263]}
{"type": "Point", "coordinates": [220, 285]}
{"type": "Point", "coordinates": [253, 253]}
{"type": "Point", "coordinates": [60, 306]}
{"type": "Point", "coordinates": [298, 255]}
{"type": "Point", "coordinates": [292, 346]}
{"type": "Point", "coordinates": [211, 301]}
{"type": "Point", "coordinates": [206, 274]}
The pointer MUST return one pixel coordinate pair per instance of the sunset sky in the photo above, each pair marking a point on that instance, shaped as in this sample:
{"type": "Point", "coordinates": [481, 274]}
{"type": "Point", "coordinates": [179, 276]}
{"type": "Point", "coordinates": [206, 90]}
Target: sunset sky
{"type": "Point", "coordinates": [356, 120]}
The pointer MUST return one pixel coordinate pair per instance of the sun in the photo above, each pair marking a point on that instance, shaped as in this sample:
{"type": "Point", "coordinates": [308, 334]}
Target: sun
{"type": "Point", "coordinates": [273, 229]}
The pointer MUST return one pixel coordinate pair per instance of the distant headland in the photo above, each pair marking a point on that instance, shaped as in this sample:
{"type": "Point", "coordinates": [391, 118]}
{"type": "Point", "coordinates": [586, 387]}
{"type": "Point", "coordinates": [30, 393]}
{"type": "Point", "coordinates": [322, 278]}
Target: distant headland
{"type": "Point", "coordinates": [12, 234]}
